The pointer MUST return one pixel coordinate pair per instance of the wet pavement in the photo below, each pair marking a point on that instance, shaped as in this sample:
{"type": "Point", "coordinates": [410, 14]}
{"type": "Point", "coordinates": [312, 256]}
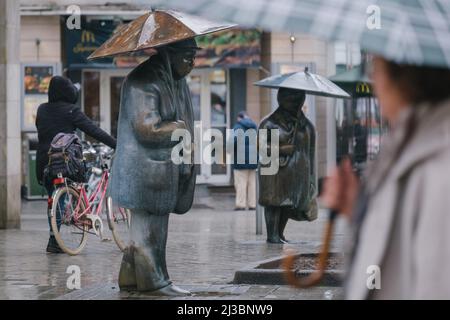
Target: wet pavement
{"type": "Point", "coordinates": [205, 248]}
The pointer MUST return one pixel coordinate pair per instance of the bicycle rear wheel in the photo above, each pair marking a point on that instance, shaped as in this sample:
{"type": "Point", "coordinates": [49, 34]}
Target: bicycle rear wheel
{"type": "Point", "coordinates": [119, 221]}
{"type": "Point", "coordinates": [70, 231]}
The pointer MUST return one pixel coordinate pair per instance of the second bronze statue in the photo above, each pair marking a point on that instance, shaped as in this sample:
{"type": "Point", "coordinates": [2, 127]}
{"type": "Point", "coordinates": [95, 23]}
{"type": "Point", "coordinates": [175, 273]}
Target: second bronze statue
{"type": "Point", "coordinates": [291, 192]}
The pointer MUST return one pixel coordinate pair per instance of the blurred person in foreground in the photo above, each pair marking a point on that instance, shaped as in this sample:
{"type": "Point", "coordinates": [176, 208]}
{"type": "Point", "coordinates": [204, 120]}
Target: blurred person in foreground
{"type": "Point", "coordinates": [400, 213]}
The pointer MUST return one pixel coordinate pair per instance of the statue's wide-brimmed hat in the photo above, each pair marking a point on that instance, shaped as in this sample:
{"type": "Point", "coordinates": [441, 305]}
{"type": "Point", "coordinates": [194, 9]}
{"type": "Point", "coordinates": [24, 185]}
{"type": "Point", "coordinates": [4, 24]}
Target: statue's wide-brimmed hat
{"type": "Point", "coordinates": [311, 83]}
{"type": "Point", "coordinates": [155, 29]}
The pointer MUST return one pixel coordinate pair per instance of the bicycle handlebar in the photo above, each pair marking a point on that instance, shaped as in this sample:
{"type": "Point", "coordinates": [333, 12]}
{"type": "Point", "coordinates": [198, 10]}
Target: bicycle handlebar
{"type": "Point", "coordinates": [108, 155]}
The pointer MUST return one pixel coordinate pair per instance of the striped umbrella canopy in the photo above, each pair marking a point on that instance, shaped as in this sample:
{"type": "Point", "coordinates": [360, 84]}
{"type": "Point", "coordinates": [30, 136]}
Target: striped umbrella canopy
{"type": "Point", "coordinates": [405, 31]}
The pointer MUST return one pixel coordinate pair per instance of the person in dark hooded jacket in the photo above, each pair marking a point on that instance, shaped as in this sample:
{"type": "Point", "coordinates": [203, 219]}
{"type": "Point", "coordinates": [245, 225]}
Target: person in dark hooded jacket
{"type": "Point", "coordinates": [245, 161]}
{"type": "Point", "coordinates": [60, 114]}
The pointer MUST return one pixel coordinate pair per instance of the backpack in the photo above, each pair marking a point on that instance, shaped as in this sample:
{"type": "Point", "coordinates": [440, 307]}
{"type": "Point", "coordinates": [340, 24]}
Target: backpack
{"type": "Point", "coordinates": [65, 158]}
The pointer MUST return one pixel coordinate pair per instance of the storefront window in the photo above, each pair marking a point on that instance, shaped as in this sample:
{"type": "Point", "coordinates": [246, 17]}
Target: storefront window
{"type": "Point", "coordinates": [218, 85]}
{"type": "Point", "coordinates": [359, 130]}
{"type": "Point", "coordinates": [218, 98]}
{"type": "Point", "coordinates": [359, 124]}
{"type": "Point", "coordinates": [209, 93]}
{"type": "Point", "coordinates": [116, 89]}
{"type": "Point", "coordinates": [195, 86]}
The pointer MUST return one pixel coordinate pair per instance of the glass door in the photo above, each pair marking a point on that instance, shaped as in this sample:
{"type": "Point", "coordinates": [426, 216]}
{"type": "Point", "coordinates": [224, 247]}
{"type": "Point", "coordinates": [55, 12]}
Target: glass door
{"type": "Point", "coordinates": [209, 92]}
{"type": "Point", "coordinates": [115, 94]}
{"type": "Point", "coordinates": [101, 97]}
{"type": "Point", "coordinates": [219, 117]}
{"type": "Point", "coordinates": [110, 94]}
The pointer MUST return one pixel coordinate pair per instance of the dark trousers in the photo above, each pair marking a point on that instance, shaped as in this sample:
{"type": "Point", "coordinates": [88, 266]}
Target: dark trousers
{"type": "Point", "coordinates": [50, 189]}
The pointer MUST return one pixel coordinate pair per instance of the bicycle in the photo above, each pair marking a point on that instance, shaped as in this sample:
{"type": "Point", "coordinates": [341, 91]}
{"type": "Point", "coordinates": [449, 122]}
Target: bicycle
{"type": "Point", "coordinates": [75, 210]}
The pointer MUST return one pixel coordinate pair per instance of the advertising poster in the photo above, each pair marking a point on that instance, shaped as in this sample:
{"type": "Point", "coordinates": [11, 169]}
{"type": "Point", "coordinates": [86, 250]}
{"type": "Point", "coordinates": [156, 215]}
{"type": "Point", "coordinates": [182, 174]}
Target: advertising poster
{"type": "Point", "coordinates": [239, 48]}
{"type": "Point", "coordinates": [36, 81]}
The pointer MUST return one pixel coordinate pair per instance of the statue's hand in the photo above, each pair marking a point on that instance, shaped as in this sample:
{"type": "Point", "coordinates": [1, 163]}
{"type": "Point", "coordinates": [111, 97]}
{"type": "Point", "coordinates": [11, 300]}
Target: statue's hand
{"type": "Point", "coordinates": [312, 189]}
{"type": "Point", "coordinates": [181, 124]}
{"type": "Point", "coordinates": [287, 150]}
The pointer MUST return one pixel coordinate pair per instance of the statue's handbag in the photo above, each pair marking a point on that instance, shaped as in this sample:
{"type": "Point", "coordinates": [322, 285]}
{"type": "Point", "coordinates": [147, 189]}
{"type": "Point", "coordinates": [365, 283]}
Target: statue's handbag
{"type": "Point", "coordinates": [275, 190]}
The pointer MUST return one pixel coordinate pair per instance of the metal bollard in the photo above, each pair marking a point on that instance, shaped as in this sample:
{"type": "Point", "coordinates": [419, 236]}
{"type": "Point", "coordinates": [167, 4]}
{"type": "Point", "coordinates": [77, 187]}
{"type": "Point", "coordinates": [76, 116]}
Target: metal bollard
{"type": "Point", "coordinates": [259, 209]}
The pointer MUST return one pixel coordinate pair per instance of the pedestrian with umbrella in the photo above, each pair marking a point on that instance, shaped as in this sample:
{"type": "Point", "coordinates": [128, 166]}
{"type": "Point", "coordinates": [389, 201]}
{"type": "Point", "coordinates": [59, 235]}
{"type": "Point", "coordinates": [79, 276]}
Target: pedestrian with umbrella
{"type": "Point", "coordinates": [400, 213]}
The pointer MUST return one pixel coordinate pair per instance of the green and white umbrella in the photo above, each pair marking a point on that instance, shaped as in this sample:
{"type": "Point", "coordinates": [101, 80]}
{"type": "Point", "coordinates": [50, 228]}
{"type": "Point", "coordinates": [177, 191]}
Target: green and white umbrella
{"type": "Point", "coordinates": [405, 31]}
{"type": "Point", "coordinates": [312, 84]}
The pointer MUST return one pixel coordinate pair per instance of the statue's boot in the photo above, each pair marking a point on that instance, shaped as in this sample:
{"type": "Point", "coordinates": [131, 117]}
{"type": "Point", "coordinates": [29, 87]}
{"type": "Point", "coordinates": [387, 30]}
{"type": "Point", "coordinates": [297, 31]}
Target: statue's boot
{"type": "Point", "coordinates": [150, 275]}
{"type": "Point", "coordinates": [272, 215]}
{"type": "Point", "coordinates": [171, 291]}
{"type": "Point", "coordinates": [149, 236]}
{"type": "Point", "coordinates": [127, 274]}
{"type": "Point", "coordinates": [283, 220]}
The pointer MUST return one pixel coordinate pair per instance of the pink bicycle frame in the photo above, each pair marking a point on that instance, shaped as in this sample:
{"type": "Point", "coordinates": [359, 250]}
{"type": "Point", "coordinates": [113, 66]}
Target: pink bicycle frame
{"type": "Point", "coordinates": [101, 187]}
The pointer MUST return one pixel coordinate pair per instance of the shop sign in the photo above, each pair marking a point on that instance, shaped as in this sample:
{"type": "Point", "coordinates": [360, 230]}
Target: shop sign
{"type": "Point", "coordinates": [81, 43]}
{"type": "Point", "coordinates": [238, 48]}
{"type": "Point", "coordinates": [235, 48]}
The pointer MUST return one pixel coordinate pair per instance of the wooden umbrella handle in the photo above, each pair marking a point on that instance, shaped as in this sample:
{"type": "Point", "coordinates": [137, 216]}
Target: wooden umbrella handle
{"type": "Point", "coordinates": [316, 276]}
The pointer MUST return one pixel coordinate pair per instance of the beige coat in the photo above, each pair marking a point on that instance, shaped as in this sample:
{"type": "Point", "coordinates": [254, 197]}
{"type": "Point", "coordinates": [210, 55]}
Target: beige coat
{"type": "Point", "coordinates": [406, 231]}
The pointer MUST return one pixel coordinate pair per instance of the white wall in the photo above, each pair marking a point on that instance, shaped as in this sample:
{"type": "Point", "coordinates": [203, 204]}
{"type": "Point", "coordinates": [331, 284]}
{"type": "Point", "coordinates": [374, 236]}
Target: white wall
{"type": "Point", "coordinates": [45, 28]}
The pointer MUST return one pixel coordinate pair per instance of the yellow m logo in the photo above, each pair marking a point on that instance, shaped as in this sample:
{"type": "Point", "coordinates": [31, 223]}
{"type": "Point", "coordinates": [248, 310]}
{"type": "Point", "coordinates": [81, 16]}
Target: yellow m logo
{"type": "Point", "coordinates": [87, 36]}
{"type": "Point", "coordinates": [362, 88]}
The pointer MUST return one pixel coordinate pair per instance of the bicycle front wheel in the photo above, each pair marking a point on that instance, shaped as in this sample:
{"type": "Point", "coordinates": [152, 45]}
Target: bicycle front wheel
{"type": "Point", "coordinates": [119, 220]}
{"type": "Point", "coordinates": [68, 225]}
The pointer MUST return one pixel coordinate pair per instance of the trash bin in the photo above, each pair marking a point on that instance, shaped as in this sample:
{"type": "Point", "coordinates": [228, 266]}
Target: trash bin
{"type": "Point", "coordinates": [33, 190]}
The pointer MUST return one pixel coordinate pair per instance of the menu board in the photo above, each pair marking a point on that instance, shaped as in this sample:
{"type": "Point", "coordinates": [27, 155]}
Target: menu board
{"type": "Point", "coordinates": [36, 81]}
{"type": "Point", "coordinates": [30, 106]}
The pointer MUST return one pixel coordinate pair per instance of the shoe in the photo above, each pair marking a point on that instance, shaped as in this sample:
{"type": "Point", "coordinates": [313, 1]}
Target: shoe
{"type": "Point", "coordinates": [276, 241]}
{"type": "Point", "coordinates": [127, 273]}
{"type": "Point", "coordinates": [53, 247]}
{"type": "Point", "coordinates": [252, 209]}
{"type": "Point", "coordinates": [239, 209]}
{"type": "Point", "coordinates": [170, 291]}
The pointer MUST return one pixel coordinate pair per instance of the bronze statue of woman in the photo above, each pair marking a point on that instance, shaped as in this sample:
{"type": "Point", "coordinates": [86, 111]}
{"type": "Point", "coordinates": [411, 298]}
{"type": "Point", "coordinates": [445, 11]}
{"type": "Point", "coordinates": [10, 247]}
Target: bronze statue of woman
{"type": "Point", "coordinates": [291, 192]}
